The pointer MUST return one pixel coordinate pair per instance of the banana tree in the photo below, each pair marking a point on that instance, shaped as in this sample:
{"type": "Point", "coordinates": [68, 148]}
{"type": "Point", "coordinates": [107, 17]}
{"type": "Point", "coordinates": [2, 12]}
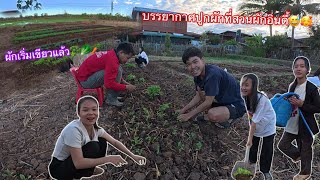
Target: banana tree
{"type": "Point", "coordinates": [275, 7]}
{"type": "Point", "coordinates": [28, 4]}
{"type": "Point", "coordinates": [302, 8]}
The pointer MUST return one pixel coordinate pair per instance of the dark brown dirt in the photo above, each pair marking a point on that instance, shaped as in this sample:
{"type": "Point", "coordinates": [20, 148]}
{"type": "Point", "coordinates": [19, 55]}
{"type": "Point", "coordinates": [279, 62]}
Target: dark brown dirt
{"type": "Point", "coordinates": [243, 177]}
{"type": "Point", "coordinates": [42, 102]}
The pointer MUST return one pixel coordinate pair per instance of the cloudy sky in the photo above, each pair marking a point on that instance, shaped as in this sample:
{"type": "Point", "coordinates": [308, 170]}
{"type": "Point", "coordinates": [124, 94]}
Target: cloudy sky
{"type": "Point", "coordinates": [181, 6]}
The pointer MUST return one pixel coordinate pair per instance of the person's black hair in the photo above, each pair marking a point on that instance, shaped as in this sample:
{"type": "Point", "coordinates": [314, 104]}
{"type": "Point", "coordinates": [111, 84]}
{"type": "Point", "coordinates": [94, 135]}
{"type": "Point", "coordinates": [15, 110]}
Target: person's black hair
{"type": "Point", "coordinates": [142, 49]}
{"type": "Point", "coordinates": [191, 52]}
{"type": "Point", "coordinates": [66, 65]}
{"type": "Point", "coordinates": [126, 48]}
{"type": "Point", "coordinates": [252, 101]}
{"type": "Point", "coordinates": [81, 101]}
{"type": "Point", "coordinates": [317, 73]}
{"type": "Point", "coordinates": [306, 63]}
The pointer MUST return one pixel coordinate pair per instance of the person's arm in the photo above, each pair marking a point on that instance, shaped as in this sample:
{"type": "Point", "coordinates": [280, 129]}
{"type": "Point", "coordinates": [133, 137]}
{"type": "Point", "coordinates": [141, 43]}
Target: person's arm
{"type": "Point", "coordinates": [82, 163]}
{"type": "Point", "coordinates": [251, 133]}
{"type": "Point", "coordinates": [72, 139]}
{"type": "Point", "coordinates": [123, 149]}
{"type": "Point", "coordinates": [258, 116]}
{"type": "Point", "coordinates": [195, 100]}
{"type": "Point", "coordinates": [315, 106]}
{"type": "Point", "coordinates": [110, 75]}
{"type": "Point", "coordinates": [203, 106]}
{"type": "Point", "coordinates": [125, 82]}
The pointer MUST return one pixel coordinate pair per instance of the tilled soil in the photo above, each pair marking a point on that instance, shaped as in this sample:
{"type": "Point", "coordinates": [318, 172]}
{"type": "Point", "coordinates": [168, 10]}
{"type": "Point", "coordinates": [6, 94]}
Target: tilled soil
{"type": "Point", "coordinates": [35, 111]}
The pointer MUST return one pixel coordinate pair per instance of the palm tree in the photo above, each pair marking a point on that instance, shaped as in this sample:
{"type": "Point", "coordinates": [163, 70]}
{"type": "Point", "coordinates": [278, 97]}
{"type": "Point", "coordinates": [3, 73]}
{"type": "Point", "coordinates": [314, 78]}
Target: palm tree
{"type": "Point", "coordinates": [301, 9]}
{"type": "Point", "coordinates": [275, 7]}
{"type": "Point", "coordinates": [28, 4]}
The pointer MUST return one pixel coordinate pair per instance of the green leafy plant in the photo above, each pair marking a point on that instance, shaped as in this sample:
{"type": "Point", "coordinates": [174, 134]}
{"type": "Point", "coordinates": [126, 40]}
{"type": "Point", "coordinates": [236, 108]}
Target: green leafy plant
{"type": "Point", "coordinates": [242, 171]}
{"type": "Point", "coordinates": [86, 49]}
{"type": "Point", "coordinates": [199, 146]}
{"type": "Point", "coordinates": [180, 146]}
{"type": "Point", "coordinates": [138, 151]}
{"type": "Point", "coordinates": [45, 61]}
{"type": "Point", "coordinates": [147, 113]}
{"type": "Point", "coordinates": [231, 42]}
{"type": "Point", "coordinates": [130, 65]}
{"type": "Point", "coordinates": [131, 77]}
{"type": "Point", "coordinates": [164, 107]}
{"type": "Point", "coordinates": [153, 91]}
{"type": "Point", "coordinates": [136, 140]}
{"type": "Point", "coordinates": [8, 174]}
{"type": "Point", "coordinates": [167, 42]}
{"type": "Point", "coordinates": [160, 114]}
{"type": "Point", "coordinates": [151, 139]}
{"type": "Point", "coordinates": [99, 46]}
{"type": "Point", "coordinates": [23, 177]}
{"type": "Point", "coordinates": [142, 80]}
{"type": "Point", "coordinates": [158, 148]}
{"type": "Point", "coordinates": [75, 50]}
{"type": "Point", "coordinates": [255, 46]}
{"type": "Point", "coordinates": [174, 131]}
{"type": "Point", "coordinates": [191, 136]}
{"type": "Point", "coordinates": [161, 111]}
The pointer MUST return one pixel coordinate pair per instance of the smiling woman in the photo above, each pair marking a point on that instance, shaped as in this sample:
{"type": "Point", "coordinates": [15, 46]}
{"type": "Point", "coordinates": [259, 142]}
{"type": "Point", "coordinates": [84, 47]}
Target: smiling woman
{"type": "Point", "coordinates": [82, 146]}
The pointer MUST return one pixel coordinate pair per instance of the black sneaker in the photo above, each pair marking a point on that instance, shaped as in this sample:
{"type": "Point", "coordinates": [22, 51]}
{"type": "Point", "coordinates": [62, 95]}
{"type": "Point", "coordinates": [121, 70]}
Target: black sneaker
{"type": "Point", "coordinates": [227, 124]}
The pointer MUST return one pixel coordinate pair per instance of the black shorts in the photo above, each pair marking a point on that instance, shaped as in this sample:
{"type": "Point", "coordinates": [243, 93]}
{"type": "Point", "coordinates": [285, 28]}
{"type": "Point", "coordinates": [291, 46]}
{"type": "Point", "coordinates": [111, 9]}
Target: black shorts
{"type": "Point", "coordinates": [236, 111]}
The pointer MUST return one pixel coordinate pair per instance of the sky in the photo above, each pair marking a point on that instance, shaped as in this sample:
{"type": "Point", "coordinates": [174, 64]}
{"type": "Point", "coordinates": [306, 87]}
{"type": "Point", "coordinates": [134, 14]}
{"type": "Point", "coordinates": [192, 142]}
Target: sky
{"type": "Point", "coordinates": [124, 7]}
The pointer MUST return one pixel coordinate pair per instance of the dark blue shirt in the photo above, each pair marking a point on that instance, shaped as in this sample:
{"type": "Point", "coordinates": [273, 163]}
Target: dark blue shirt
{"type": "Point", "coordinates": [220, 84]}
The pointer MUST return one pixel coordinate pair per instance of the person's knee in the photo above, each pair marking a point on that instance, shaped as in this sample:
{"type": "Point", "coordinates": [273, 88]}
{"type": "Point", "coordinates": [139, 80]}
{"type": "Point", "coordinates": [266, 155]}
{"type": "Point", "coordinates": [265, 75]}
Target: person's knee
{"type": "Point", "coordinates": [91, 150]}
{"type": "Point", "coordinates": [213, 116]}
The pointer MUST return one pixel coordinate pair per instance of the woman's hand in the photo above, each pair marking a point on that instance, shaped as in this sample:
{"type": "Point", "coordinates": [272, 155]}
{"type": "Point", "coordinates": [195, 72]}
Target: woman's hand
{"type": "Point", "coordinates": [295, 101]}
{"type": "Point", "coordinates": [116, 160]}
{"type": "Point", "coordinates": [184, 117]}
{"type": "Point", "coordinates": [139, 160]}
{"type": "Point", "coordinates": [180, 111]}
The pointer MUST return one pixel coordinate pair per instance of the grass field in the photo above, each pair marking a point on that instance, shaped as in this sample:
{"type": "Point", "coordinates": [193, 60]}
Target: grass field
{"type": "Point", "coordinates": [42, 20]}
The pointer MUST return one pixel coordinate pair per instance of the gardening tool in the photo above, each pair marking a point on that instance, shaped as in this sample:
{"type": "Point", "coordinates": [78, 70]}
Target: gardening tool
{"type": "Point", "coordinates": [244, 165]}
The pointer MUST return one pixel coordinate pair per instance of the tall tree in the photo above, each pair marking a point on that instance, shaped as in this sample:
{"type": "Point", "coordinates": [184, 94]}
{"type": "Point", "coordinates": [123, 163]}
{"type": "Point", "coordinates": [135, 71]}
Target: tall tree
{"type": "Point", "coordinates": [28, 4]}
{"type": "Point", "coordinates": [314, 40]}
{"type": "Point", "coordinates": [275, 7]}
{"type": "Point", "coordinates": [299, 8]}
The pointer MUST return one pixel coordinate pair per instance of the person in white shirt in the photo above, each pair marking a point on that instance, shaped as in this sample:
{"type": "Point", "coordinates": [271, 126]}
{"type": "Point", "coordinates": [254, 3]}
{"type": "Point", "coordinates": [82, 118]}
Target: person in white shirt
{"type": "Point", "coordinates": [142, 60]}
{"type": "Point", "coordinates": [82, 145]}
{"type": "Point", "coordinates": [262, 123]}
{"type": "Point", "coordinates": [315, 79]}
{"type": "Point", "coordinates": [309, 104]}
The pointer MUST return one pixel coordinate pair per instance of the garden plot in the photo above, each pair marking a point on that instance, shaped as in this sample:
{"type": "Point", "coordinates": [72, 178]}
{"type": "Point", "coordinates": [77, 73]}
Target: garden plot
{"type": "Point", "coordinates": [33, 117]}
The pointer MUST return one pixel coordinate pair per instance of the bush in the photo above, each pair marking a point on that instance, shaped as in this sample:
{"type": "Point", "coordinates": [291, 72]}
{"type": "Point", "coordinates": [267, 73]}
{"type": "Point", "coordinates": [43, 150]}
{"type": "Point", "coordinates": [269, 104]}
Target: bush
{"type": "Point", "coordinates": [231, 42]}
{"type": "Point", "coordinates": [255, 46]}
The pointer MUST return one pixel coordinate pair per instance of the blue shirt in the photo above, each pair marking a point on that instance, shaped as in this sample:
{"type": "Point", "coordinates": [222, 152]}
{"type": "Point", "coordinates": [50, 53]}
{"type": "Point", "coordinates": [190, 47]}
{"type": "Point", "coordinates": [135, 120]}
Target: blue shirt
{"type": "Point", "coordinates": [220, 84]}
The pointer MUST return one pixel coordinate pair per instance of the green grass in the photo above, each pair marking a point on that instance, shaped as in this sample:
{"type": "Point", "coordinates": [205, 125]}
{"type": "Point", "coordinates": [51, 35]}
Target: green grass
{"type": "Point", "coordinates": [44, 20]}
{"type": "Point", "coordinates": [48, 33]}
{"type": "Point", "coordinates": [247, 60]}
